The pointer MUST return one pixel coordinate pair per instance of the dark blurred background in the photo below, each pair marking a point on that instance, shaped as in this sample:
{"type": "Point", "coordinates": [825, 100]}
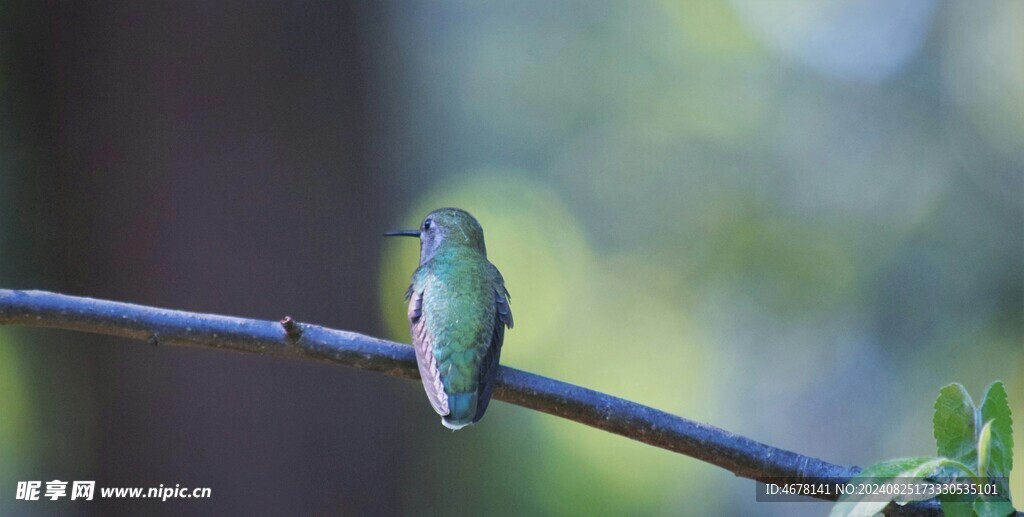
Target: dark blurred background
{"type": "Point", "coordinates": [793, 220]}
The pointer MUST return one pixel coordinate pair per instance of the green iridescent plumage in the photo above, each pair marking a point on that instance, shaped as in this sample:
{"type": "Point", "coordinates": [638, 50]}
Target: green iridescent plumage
{"type": "Point", "coordinates": [458, 311]}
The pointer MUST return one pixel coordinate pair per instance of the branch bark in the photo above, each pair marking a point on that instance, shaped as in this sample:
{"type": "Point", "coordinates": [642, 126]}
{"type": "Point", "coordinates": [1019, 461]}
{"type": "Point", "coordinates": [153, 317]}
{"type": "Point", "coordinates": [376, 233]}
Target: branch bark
{"type": "Point", "coordinates": [742, 456]}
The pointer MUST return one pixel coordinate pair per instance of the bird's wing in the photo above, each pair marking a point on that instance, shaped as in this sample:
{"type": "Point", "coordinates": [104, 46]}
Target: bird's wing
{"type": "Point", "coordinates": [489, 365]}
{"type": "Point", "coordinates": [423, 342]}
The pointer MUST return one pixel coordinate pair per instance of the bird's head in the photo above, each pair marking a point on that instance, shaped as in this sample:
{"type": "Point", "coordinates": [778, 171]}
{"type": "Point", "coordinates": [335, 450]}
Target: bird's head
{"type": "Point", "coordinates": [446, 227]}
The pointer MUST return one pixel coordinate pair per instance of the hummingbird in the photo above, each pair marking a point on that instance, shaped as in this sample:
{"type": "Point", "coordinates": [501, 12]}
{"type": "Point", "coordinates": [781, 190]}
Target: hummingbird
{"type": "Point", "coordinates": [458, 311]}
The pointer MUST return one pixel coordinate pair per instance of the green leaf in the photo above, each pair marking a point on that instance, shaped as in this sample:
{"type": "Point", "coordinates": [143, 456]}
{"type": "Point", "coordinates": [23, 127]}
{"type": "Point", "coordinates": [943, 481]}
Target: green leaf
{"type": "Point", "coordinates": [984, 442]}
{"type": "Point", "coordinates": [995, 409]}
{"type": "Point", "coordinates": [991, 507]}
{"type": "Point", "coordinates": [956, 506]}
{"type": "Point", "coordinates": [988, 506]}
{"type": "Point", "coordinates": [897, 468]}
{"type": "Point", "coordinates": [959, 505]}
{"type": "Point", "coordinates": [922, 466]}
{"type": "Point", "coordinates": [954, 425]}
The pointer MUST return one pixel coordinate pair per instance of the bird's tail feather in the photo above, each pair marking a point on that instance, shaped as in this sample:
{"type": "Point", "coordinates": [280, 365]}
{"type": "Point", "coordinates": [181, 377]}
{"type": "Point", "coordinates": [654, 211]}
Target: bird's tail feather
{"type": "Point", "coordinates": [461, 410]}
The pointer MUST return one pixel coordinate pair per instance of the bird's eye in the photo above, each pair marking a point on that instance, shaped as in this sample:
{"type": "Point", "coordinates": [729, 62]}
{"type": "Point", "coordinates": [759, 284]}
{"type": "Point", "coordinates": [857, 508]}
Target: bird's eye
{"type": "Point", "coordinates": [427, 223]}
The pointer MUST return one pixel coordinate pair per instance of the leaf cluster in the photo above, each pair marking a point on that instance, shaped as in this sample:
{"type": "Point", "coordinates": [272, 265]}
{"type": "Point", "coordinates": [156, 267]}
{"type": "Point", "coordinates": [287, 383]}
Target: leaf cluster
{"type": "Point", "coordinates": [974, 444]}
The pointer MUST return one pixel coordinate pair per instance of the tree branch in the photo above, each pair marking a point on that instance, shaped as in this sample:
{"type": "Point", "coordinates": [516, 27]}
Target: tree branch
{"type": "Point", "coordinates": [737, 454]}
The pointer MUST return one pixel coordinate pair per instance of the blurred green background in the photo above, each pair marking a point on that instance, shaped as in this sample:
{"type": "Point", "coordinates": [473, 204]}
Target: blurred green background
{"type": "Point", "coordinates": [794, 220]}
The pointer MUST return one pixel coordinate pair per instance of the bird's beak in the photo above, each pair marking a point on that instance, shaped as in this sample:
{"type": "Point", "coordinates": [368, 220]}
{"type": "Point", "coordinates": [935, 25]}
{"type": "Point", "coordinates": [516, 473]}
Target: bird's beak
{"type": "Point", "coordinates": [407, 233]}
